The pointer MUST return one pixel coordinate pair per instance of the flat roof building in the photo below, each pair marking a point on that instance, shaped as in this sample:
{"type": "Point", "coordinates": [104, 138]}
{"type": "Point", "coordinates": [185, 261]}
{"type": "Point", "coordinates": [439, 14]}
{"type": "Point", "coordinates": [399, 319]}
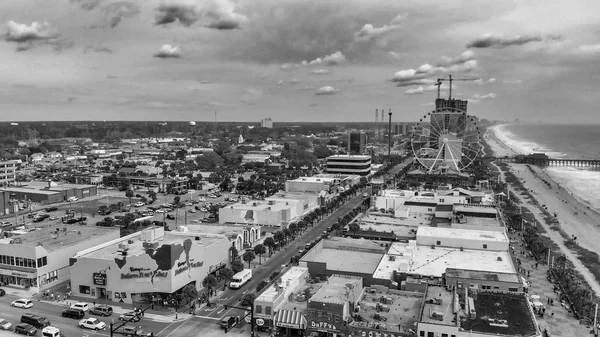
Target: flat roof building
{"type": "Point", "coordinates": [148, 264]}
{"type": "Point", "coordinates": [463, 238]}
{"type": "Point", "coordinates": [320, 182]}
{"type": "Point", "coordinates": [348, 164]}
{"type": "Point", "coordinates": [38, 257]}
{"type": "Point", "coordinates": [7, 172]}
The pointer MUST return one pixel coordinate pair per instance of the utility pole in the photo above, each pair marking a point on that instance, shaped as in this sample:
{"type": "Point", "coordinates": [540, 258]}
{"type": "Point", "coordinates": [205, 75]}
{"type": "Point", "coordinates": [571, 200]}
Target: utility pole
{"type": "Point", "coordinates": [390, 136]}
{"type": "Point", "coordinates": [251, 313]}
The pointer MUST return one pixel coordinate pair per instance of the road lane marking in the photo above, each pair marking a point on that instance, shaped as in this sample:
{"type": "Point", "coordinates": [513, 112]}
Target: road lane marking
{"type": "Point", "coordinates": [206, 317]}
{"type": "Point", "coordinates": [220, 311]}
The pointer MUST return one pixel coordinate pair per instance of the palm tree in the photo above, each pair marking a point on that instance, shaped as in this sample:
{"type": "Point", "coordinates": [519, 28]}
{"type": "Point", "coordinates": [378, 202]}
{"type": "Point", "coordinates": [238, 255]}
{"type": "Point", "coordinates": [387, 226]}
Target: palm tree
{"type": "Point", "coordinates": [287, 233]}
{"type": "Point", "coordinates": [279, 237]}
{"type": "Point", "coordinates": [249, 256]}
{"type": "Point", "coordinates": [336, 227]}
{"type": "Point", "coordinates": [293, 229]}
{"type": "Point", "coordinates": [270, 242]}
{"type": "Point", "coordinates": [259, 250]}
{"type": "Point", "coordinates": [209, 282]}
{"type": "Point", "coordinates": [302, 225]}
{"type": "Point", "coordinates": [354, 227]}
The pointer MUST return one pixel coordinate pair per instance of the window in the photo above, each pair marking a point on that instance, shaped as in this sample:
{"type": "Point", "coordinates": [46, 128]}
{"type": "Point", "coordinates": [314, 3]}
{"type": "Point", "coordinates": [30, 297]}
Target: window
{"type": "Point", "coordinates": [267, 310]}
{"type": "Point", "coordinates": [452, 335]}
{"type": "Point", "coordinates": [421, 333]}
{"type": "Point", "coordinates": [258, 309]}
{"type": "Point", "coordinates": [444, 335]}
{"type": "Point", "coordinates": [442, 200]}
{"type": "Point", "coordinates": [438, 243]}
{"type": "Point", "coordinates": [430, 334]}
{"type": "Point", "coordinates": [513, 289]}
{"type": "Point", "coordinates": [484, 246]}
{"type": "Point", "coordinates": [84, 290]}
{"type": "Point", "coordinates": [42, 261]}
{"type": "Point", "coordinates": [496, 287]}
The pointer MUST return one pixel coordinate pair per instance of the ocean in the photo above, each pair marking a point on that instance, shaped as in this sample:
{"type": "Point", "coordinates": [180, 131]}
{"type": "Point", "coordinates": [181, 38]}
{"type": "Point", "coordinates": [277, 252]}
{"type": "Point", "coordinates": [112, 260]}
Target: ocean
{"type": "Point", "coordinates": [561, 141]}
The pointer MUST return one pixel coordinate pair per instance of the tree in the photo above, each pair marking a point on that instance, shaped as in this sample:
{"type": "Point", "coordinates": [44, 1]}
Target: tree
{"type": "Point", "coordinates": [233, 253]}
{"type": "Point", "coordinates": [189, 293]}
{"type": "Point", "coordinates": [279, 237]}
{"type": "Point", "coordinates": [152, 195]}
{"type": "Point", "coordinates": [248, 256]}
{"type": "Point", "coordinates": [129, 194]}
{"type": "Point", "coordinates": [270, 242]}
{"type": "Point", "coordinates": [176, 200]}
{"type": "Point", "coordinates": [336, 227]}
{"type": "Point", "coordinates": [261, 285]}
{"type": "Point", "coordinates": [248, 300]}
{"type": "Point", "coordinates": [354, 227]}
{"type": "Point", "coordinates": [226, 274]}
{"type": "Point", "coordinates": [259, 250]}
{"type": "Point", "coordinates": [210, 282]}
{"type": "Point", "coordinates": [293, 228]}
{"type": "Point", "coordinates": [237, 266]}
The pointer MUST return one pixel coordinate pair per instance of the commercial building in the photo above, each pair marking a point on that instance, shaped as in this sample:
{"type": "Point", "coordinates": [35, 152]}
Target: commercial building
{"type": "Point", "coordinates": [255, 158]}
{"type": "Point", "coordinates": [400, 129]}
{"type": "Point", "coordinates": [471, 313]}
{"type": "Point", "coordinates": [463, 238]}
{"type": "Point", "coordinates": [275, 211]}
{"type": "Point", "coordinates": [349, 164]}
{"type": "Point", "coordinates": [357, 143]}
{"type": "Point", "coordinates": [240, 237]}
{"type": "Point", "coordinates": [7, 172]}
{"type": "Point", "coordinates": [38, 257]}
{"type": "Point", "coordinates": [484, 281]}
{"type": "Point", "coordinates": [266, 123]}
{"type": "Point", "coordinates": [321, 182]}
{"type": "Point", "coordinates": [43, 197]}
{"type": "Point", "coordinates": [282, 305]}
{"type": "Point", "coordinates": [147, 265]}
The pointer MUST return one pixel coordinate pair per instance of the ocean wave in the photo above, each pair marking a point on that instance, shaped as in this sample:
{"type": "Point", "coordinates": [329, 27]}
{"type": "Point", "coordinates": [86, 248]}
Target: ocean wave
{"type": "Point", "coordinates": [582, 183]}
{"type": "Point", "coordinates": [520, 145]}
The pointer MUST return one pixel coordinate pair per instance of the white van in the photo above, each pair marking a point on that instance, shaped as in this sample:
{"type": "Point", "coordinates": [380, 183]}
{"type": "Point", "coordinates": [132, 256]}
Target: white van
{"type": "Point", "coordinates": [239, 279]}
{"type": "Point", "coordinates": [51, 331]}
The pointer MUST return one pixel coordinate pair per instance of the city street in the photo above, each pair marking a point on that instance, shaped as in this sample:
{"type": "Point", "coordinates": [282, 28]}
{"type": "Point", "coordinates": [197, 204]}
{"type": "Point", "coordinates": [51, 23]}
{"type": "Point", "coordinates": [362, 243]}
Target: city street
{"type": "Point", "coordinates": [280, 258]}
{"type": "Point", "coordinates": [68, 326]}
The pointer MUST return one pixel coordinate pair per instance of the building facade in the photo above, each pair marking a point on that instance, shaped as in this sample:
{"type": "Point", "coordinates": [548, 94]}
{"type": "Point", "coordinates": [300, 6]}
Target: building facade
{"type": "Point", "coordinates": [39, 258]}
{"type": "Point", "coordinates": [147, 265]}
{"type": "Point", "coordinates": [349, 164]}
{"type": "Point", "coordinates": [7, 172]}
{"type": "Point", "coordinates": [357, 142]}
{"type": "Point", "coordinates": [266, 123]}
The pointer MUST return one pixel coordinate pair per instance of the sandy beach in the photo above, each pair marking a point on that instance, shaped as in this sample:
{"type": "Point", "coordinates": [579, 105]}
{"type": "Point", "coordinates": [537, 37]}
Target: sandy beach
{"type": "Point", "coordinates": [575, 217]}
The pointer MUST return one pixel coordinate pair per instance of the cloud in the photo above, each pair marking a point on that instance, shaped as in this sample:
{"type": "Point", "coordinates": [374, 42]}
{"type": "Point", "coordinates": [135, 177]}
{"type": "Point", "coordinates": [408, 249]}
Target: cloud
{"type": "Point", "coordinates": [415, 91]}
{"type": "Point", "coordinates": [294, 81]}
{"type": "Point", "coordinates": [499, 41]}
{"type": "Point", "coordinates": [369, 32]}
{"type": "Point", "coordinates": [18, 32]}
{"type": "Point", "coordinates": [330, 60]}
{"type": "Point", "coordinates": [394, 55]}
{"type": "Point", "coordinates": [308, 87]}
{"type": "Point", "coordinates": [104, 50]}
{"type": "Point", "coordinates": [478, 97]}
{"type": "Point", "coordinates": [482, 82]}
{"type": "Point", "coordinates": [215, 14]}
{"type": "Point", "coordinates": [282, 82]}
{"type": "Point", "coordinates": [320, 72]}
{"type": "Point", "coordinates": [421, 75]}
{"type": "Point", "coordinates": [168, 51]}
{"type": "Point", "coordinates": [512, 81]}
{"type": "Point", "coordinates": [87, 4]}
{"type": "Point", "coordinates": [326, 90]}
{"type": "Point", "coordinates": [589, 48]}
{"type": "Point", "coordinates": [116, 12]}
{"type": "Point", "coordinates": [289, 66]}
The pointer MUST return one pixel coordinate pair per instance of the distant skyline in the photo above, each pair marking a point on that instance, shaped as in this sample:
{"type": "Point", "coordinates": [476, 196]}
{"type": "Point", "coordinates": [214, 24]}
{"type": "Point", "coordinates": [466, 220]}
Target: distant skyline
{"type": "Point", "coordinates": [297, 60]}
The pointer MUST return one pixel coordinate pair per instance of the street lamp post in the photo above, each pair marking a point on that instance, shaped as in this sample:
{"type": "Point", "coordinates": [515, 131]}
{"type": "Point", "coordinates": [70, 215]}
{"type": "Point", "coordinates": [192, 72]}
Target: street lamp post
{"type": "Point", "coordinates": [106, 286]}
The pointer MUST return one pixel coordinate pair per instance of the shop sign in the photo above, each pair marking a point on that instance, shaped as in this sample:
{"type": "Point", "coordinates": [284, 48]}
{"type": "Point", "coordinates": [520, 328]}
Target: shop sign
{"type": "Point", "coordinates": [370, 333]}
{"type": "Point", "coordinates": [14, 273]}
{"type": "Point", "coordinates": [143, 274]}
{"type": "Point", "coordinates": [323, 325]}
{"type": "Point", "coordinates": [287, 325]}
{"type": "Point", "coordinates": [216, 266]}
{"type": "Point", "coordinates": [99, 279]}
{"type": "Point", "coordinates": [260, 322]}
{"type": "Point", "coordinates": [186, 267]}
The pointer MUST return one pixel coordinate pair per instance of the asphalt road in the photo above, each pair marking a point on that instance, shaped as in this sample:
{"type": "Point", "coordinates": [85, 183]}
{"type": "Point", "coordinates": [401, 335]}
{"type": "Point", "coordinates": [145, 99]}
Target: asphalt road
{"type": "Point", "coordinates": [68, 326]}
{"type": "Point", "coordinates": [275, 263]}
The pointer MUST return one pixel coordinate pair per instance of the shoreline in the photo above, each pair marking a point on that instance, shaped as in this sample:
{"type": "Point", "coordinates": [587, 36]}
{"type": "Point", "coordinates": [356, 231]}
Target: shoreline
{"type": "Point", "coordinates": [576, 216]}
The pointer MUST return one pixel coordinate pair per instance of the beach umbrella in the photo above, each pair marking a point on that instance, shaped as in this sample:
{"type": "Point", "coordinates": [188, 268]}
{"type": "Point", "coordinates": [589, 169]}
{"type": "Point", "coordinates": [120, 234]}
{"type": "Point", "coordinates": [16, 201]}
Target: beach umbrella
{"type": "Point", "coordinates": [537, 304]}
{"type": "Point", "coordinates": [535, 297]}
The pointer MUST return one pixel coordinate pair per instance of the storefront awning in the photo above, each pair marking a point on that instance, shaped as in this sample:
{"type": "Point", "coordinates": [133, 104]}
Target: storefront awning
{"type": "Point", "coordinates": [8, 272]}
{"type": "Point", "coordinates": [290, 319]}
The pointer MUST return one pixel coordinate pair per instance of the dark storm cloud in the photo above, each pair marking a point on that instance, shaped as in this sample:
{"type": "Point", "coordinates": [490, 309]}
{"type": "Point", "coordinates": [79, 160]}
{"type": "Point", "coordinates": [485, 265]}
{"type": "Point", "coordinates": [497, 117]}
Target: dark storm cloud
{"type": "Point", "coordinates": [499, 41]}
{"type": "Point", "coordinates": [215, 14]}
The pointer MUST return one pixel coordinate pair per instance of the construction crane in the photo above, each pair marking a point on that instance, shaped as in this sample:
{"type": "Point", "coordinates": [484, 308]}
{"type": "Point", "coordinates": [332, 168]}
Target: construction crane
{"type": "Point", "coordinates": [450, 80]}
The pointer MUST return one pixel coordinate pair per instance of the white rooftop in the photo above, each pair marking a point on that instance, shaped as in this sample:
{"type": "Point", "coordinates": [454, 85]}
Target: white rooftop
{"type": "Point", "coordinates": [427, 261]}
{"type": "Point", "coordinates": [463, 234]}
{"type": "Point", "coordinates": [289, 277]}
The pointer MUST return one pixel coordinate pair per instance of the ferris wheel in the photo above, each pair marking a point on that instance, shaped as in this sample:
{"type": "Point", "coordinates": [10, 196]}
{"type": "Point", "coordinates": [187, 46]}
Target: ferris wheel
{"type": "Point", "coordinates": [446, 140]}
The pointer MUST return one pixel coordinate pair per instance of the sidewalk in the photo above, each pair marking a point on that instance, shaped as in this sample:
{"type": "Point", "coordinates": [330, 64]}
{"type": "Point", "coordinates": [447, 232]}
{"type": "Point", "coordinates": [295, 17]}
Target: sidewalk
{"type": "Point", "coordinates": [158, 314]}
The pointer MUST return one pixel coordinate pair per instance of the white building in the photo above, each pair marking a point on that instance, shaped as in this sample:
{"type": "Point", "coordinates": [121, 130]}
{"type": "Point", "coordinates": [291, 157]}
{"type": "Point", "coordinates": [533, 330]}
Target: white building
{"type": "Point", "coordinates": [463, 238]}
{"type": "Point", "coordinates": [7, 172]}
{"type": "Point", "coordinates": [148, 264]}
{"type": "Point", "coordinates": [321, 182]}
{"type": "Point", "coordinates": [349, 164]}
{"type": "Point", "coordinates": [266, 123]}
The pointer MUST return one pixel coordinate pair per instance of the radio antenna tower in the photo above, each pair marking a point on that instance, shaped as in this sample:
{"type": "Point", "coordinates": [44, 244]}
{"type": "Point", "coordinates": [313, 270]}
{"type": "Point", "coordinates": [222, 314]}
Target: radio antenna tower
{"type": "Point", "coordinates": [376, 121]}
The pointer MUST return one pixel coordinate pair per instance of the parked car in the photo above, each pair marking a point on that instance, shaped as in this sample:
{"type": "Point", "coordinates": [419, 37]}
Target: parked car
{"type": "Point", "coordinates": [81, 306]}
{"type": "Point", "coordinates": [72, 199]}
{"type": "Point", "coordinates": [170, 217]}
{"type": "Point", "coordinates": [51, 209]}
{"type": "Point", "coordinates": [22, 303]}
{"type": "Point", "coordinates": [54, 218]}
{"type": "Point", "coordinates": [5, 325]}
{"type": "Point", "coordinates": [2, 292]}
{"type": "Point", "coordinates": [191, 210]}
{"type": "Point", "coordinates": [139, 204]}
{"type": "Point", "coordinates": [92, 323]}
{"type": "Point", "coordinates": [25, 329]}
{"type": "Point", "coordinates": [131, 315]}
{"type": "Point", "coordinates": [72, 313]}
{"type": "Point", "coordinates": [101, 310]}
{"type": "Point", "coordinates": [133, 331]}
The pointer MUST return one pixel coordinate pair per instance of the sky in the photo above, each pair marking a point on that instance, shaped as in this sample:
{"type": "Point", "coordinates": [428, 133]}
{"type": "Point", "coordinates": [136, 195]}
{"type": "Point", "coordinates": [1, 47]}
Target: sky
{"type": "Point", "coordinates": [297, 60]}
